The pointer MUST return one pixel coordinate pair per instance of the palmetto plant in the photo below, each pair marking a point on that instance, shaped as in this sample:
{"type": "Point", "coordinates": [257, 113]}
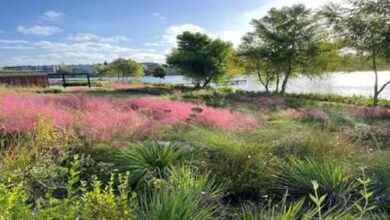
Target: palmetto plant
{"type": "Point", "coordinates": [334, 180]}
{"type": "Point", "coordinates": [148, 161]}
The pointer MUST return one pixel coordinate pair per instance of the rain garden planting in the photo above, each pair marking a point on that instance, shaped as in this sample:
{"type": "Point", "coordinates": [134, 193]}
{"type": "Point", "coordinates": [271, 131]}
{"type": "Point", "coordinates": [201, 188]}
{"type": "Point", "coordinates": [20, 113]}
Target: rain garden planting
{"type": "Point", "coordinates": [126, 152]}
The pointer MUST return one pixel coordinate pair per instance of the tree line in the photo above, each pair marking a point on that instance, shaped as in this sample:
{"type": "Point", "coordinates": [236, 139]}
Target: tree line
{"type": "Point", "coordinates": [125, 68]}
{"type": "Point", "coordinates": [291, 41]}
{"type": "Point", "coordinates": [283, 44]}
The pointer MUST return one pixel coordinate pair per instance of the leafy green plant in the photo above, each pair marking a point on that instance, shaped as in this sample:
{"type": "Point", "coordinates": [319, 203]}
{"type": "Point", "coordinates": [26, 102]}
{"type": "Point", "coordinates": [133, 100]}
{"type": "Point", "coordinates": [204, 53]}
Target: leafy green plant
{"type": "Point", "coordinates": [13, 201]}
{"type": "Point", "coordinates": [88, 200]}
{"type": "Point", "coordinates": [105, 203]}
{"type": "Point", "coordinates": [366, 195]}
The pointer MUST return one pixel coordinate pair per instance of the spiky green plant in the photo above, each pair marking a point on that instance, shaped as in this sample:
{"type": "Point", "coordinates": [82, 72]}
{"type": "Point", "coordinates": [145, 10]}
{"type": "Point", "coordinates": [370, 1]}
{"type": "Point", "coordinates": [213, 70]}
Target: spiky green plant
{"type": "Point", "coordinates": [280, 211]}
{"type": "Point", "coordinates": [189, 179]}
{"type": "Point", "coordinates": [148, 161]}
{"type": "Point", "coordinates": [187, 194]}
{"type": "Point", "coordinates": [333, 179]}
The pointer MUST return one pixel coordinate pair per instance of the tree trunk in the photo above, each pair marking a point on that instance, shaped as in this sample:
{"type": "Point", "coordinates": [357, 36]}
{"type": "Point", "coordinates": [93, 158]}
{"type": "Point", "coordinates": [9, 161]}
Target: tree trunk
{"type": "Point", "coordinates": [376, 92]}
{"type": "Point", "coordinates": [196, 84]}
{"type": "Point", "coordinates": [277, 82]}
{"type": "Point", "coordinates": [264, 83]}
{"type": "Point", "coordinates": [286, 77]}
{"type": "Point", "coordinates": [206, 82]}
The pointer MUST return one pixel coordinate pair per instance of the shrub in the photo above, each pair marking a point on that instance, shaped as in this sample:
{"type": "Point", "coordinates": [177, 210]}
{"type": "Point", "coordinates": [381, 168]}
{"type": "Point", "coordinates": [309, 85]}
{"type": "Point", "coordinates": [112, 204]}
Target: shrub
{"type": "Point", "coordinates": [105, 203]}
{"type": "Point", "coordinates": [13, 201]}
{"type": "Point", "coordinates": [75, 201]}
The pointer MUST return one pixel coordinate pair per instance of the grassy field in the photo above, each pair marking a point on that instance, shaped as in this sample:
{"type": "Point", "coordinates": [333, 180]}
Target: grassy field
{"type": "Point", "coordinates": [136, 151]}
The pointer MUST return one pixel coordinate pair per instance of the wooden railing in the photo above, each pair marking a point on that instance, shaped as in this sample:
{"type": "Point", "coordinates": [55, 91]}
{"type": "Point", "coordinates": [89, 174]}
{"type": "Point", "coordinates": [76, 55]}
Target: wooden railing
{"type": "Point", "coordinates": [68, 83]}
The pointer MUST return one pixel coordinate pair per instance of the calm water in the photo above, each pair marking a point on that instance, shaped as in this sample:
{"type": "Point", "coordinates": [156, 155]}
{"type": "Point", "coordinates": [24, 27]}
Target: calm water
{"type": "Point", "coordinates": [354, 83]}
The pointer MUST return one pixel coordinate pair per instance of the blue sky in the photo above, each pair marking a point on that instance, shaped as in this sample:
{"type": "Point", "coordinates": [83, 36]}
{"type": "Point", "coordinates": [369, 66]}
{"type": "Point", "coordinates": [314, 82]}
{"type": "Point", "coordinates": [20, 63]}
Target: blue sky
{"type": "Point", "coordinates": [90, 31]}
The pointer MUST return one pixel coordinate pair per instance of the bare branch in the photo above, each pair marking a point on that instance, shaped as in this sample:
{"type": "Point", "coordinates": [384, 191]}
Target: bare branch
{"type": "Point", "coordinates": [384, 86]}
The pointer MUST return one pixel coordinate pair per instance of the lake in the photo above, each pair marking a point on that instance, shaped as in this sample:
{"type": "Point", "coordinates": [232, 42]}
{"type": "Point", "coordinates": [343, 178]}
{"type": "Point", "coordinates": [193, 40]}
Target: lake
{"type": "Point", "coordinates": [354, 83]}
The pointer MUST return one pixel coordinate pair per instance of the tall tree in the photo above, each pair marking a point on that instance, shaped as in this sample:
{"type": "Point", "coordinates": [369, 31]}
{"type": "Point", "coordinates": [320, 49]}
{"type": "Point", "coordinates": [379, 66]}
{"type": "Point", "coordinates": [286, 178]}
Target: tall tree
{"type": "Point", "coordinates": [127, 68]}
{"type": "Point", "coordinates": [200, 58]}
{"type": "Point", "coordinates": [284, 43]}
{"type": "Point", "coordinates": [363, 25]}
{"type": "Point", "coordinates": [256, 58]}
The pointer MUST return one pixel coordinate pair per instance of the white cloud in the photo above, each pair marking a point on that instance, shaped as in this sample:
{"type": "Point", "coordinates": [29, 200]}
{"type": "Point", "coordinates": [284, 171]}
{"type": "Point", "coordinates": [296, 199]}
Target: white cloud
{"type": "Point", "coordinates": [51, 15]}
{"type": "Point", "coordinates": [5, 41]}
{"type": "Point", "coordinates": [16, 48]}
{"type": "Point", "coordinates": [172, 32]}
{"type": "Point", "coordinates": [38, 30]}
{"type": "Point", "coordinates": [47, 52]}
{"type": "Point", "coordinates": [159, 16]}
{"type": "Point", "coordinates": [231, 36]}
{"type": "Point", "coordinates": [170, 35]}
{"type": "Point", "coordinates": [151, 44]}
{"type": "Point", "coordinates": [81, 37]}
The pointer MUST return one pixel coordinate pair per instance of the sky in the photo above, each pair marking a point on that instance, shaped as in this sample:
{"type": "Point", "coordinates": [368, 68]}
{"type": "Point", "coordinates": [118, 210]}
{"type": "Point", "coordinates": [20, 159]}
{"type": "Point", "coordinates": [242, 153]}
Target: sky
{"type": "Point", "coordinates": [43, 32]}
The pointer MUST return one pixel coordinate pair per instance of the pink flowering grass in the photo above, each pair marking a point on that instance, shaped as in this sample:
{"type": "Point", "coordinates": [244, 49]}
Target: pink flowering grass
{"type": "Point", "coordinates": [168, 112]}
{"type": "Point", "coordinates": [370, 111]}
{"type": "Point", "coordinates": [105, 118]}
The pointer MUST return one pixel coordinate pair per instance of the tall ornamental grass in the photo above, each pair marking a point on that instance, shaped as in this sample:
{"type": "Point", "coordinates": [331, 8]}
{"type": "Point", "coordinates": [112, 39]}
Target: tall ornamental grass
{"type": "Point", "coordinates": [106, 118]}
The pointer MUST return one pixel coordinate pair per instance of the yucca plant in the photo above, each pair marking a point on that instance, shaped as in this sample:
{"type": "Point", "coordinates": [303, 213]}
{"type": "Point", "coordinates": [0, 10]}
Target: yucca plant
{"type": "Point", "coordinates": [279, 211]}
{"type": "Point", "coordinates": [187, 194]}
{"type": "Point", "coordinates": [189, 179]}
{"type": "Point", "coordinates": [148, 161]}
{"type": "Point", "coordinates": [334, 180]}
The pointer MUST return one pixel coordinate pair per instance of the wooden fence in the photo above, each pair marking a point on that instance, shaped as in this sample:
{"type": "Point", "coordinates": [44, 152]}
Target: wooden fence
{"type": "Point", "coordinates": [24, 79]}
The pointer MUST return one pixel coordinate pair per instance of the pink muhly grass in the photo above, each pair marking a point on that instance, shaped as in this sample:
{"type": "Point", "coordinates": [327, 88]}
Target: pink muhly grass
{"type": "Point", "coordinates": [105, 118]}
{"type": "Point", "coordinates": [20, 112]}
{"type": "Point", "coordinates": [370, 111]}
{"type": "Point", "coordinates": [169, 112]}
{"type": "Point", "coordinates": [107, 124]}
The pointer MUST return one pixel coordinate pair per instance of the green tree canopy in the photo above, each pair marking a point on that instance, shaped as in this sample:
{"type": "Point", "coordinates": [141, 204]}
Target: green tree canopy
{"type": "Point", "coordinates": [103, 69]}
{"type": "Point", "coordinates": [200, 58]}
{"type": "Point", "coordinates": [363, 25]}
{"type": "Point", "coordinates": [127, 68]}
{"type": "Point", "coordinates": [285, 42]}
{"type": "Point", "coordinates": [159, 71]}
